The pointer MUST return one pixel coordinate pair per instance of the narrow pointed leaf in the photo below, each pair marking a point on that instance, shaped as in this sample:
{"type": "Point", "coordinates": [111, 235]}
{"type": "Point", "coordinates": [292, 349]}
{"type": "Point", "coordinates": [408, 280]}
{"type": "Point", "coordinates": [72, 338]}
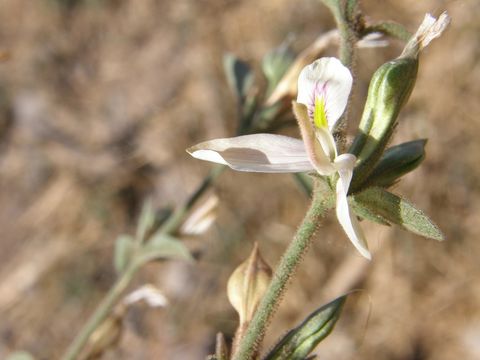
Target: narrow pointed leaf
{"type": "Point", "coordinates": [300, 341]}
{"type": "Point", "coordinates": [276, 63]}
{"type": "Point", "coordinates": [398, 211]}
{"type": "Point", "coordinates": [124, 247]}
{"type": "Point", "coordinates": [163, 246]}
{"type": "Point", "coordinates": [396, 162]}
{"type": "Point", "coordinates": [146, 221]}
{"type": "Point", "coordinates": [239, 75]}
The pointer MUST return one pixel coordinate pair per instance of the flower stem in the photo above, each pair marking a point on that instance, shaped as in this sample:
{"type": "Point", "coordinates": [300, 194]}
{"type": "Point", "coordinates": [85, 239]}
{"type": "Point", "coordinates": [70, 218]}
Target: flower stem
{"type": "Point", "coordinates": [248, 346]}
{"type": "Point", "coordinates": [101, 313]}
{"type": "Point", "coordinates": [348, 36]}
{"type": "Point", "coordinates": [176, 219]}
{"type": "Point", "coordinates": [111, 298]}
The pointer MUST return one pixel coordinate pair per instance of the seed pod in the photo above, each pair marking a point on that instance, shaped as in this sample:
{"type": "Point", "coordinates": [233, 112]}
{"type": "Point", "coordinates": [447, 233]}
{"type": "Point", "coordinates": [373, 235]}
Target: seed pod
{"type": "Point", "coordinates": [389, 90]}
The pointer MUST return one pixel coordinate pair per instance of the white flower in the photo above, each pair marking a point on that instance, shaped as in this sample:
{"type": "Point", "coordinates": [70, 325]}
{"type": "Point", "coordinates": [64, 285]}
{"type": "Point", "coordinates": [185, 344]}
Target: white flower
{"type": "Point", "coordinates": [148, 293]}
{"type": "Point", "coordinates": [323, 90]}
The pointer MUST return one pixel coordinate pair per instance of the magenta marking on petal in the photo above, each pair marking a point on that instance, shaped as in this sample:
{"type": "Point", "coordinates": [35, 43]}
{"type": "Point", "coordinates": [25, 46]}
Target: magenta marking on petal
{"type": "Point", "coordinates": [320, 92]}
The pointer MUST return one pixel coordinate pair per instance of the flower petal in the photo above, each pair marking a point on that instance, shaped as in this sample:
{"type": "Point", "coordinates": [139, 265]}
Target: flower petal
{"type": "Point", "coordinates": [325, 137]}
{"type": "Point", "coordinates": [325, 77]}
{"type": "Point", "coordinates": [257, 153]}
{"type": "Point", "coordinates": [346, 218]}
{"type": "Point", "coordinates": [316, 153]}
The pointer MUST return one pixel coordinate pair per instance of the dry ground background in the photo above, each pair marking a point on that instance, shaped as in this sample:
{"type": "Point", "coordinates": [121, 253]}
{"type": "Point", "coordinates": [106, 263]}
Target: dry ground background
{"type": "Point", "coordinates": [99, 99]}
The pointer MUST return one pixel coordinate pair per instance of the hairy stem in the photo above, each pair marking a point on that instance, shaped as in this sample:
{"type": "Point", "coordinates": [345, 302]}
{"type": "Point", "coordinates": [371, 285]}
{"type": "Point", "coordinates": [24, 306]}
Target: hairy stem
{"type": "Point", "coordinates": [348, 37]}
{"type": "Point", "coordinates": [248, 346]}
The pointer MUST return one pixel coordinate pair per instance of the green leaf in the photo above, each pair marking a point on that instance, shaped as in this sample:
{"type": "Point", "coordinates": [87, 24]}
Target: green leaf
{"type": "Point", "coordinates": [146, 221]}
{"type": "Point", "coordinates": [398, 211]}
{"type": "Point", "coordinates": [389, 28]}
{"type": "Point", "coordinates": [276, 63]}
{"type": "Point", "coordinates": [163, 246]}
{"type": "Point", "coordinates": [396, 162]}
{"type": "Point", "coordinates": [239, 75]}
{"type": "Point", "coordinates": [124, 248]}
{"type": "Point", "coordinates": [20, 355]}
{"type": "Point", "coordinates": [365, 213]}
{"type": "Point", "coordinates": [300, 341]}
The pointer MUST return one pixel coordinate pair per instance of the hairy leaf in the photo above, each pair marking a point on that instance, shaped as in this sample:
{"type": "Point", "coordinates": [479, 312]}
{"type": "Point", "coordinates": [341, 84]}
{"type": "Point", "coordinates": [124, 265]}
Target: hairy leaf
{"type": "Point", "coordinates": [396, 162]}
{"type": "Point", "coordinates": [398, 211]}
{"type": "Point", "coordinates": [300, 341]}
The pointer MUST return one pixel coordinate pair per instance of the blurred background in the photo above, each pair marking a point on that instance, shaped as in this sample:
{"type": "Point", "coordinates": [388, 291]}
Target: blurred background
{"type": "Point", "coordinates": [100, 98]}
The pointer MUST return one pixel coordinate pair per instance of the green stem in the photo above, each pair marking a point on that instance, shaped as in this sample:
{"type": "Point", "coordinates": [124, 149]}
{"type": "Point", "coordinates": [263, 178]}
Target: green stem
{"type": "Point", "coordinates": [348, 37]}
{"type": "Point", "coordinates": [100, 314]}
{"type": "Point", "coordinates": [176, 219]}
{"type": "Point", "coordinates": [321, 202]}
{"type": "Point", "coordinates": [105, 307]}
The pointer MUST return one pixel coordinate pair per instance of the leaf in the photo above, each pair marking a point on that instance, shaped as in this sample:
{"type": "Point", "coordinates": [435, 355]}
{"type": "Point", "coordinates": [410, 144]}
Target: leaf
{"type": "Point", "coordinates": [239, 75]}
{"type": "Point", "coordinates": [300, 341]}
{"type": "Point", "coordinates": [163, 246]}
{"type": "Point", "coordinates": [20, 355]}
{"type": "Point", "coordinates": [398, 211]}
{"type": "Point", "coordinates": [124, 247]}
{"type": "Point", "coordinates": [146, 221]}
{"type": "Point", "coordinates": [365, 213]}
{"type": "Point", "coordinates": [396, 162]}
{"type": "Point", "coordinates": [276, 63]}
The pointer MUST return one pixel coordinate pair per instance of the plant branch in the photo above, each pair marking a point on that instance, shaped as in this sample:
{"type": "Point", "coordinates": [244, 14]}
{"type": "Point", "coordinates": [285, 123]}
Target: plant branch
{"type": "Point", "coordinates": [348, 37]}
{"type": "Point", "coordinates": [248, 346]}
{"type": "Point", "coordinates": [111, 298]}
{"type": "Point", "coordinates": [100, 314]}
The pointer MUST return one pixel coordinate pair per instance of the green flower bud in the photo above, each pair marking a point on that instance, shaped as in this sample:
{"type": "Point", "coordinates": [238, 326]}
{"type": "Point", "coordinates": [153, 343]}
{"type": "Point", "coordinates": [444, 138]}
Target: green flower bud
{"type": "Point", "coordinates": [389, 90]}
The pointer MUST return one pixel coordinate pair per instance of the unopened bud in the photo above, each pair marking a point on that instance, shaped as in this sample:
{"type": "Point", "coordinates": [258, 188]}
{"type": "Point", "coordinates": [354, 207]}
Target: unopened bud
{"type": "Point", "coordinates": [389, 90]}
{"type": "Point", "coordinates": [149, 294]}
{"type": "Point", "coordinates": [201, 218]}
{"type": "Point", "coordinates": [248, 284]}
{"type": "Point", "coordinates": [106, 335]}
